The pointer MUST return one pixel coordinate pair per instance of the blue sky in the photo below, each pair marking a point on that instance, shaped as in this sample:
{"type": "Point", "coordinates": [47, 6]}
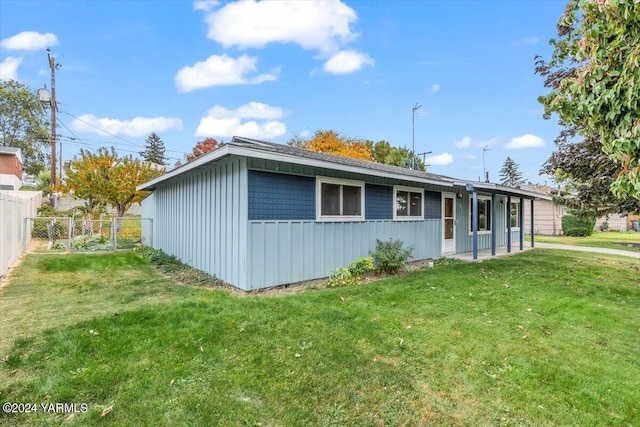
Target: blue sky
{"type": "Point", "coordinates": [272, 70]}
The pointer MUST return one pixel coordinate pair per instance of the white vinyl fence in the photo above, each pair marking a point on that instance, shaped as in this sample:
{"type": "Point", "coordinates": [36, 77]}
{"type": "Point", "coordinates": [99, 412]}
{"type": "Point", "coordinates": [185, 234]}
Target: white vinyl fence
{"type": "Point", "coordinates": [15, 206]}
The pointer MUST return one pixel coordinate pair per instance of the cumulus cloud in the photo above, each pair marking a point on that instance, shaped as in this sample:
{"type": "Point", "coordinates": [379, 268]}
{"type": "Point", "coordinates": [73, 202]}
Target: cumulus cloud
{"type": "Point", "coordinates": [526, 41]}
{"type": "Point", "coordinates": [526, 141]}
{"type": "Point", "coordinates": [29, 40]}
{"type": "Point", "coordinates": [205, 5]}
{"type": "Point", "coordinates": [223, 122]}
{"type": "Point", "coordinates": [9, 68]}
{"type": "Point", "coordinates": [314, 25]}
{"type": "Point", "coordinates": [440, 159]}
{"type": "Point", "coordinates": [347, 61]}
{"type": "Point", "coordinates": [138, 126]}
{"type": "Point", "coordinates": [220, 70]}
{"type": "Point", "coordinates": [468, 141]}
{"type": "Point", "coordinates": [435, 88]}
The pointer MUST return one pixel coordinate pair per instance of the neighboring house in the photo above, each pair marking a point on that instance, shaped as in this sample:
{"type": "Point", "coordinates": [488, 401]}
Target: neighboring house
{"type": "Point", "coordinates": [10, 168]}
{"type": "Point", "coordinates": [257, 214]}
{"type": "Point", "coordinates": [548, 214]}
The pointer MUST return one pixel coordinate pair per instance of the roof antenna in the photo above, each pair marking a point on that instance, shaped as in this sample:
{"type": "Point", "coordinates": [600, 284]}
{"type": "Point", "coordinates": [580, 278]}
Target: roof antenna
{"type": "Point", "coordinates": [484, 168]}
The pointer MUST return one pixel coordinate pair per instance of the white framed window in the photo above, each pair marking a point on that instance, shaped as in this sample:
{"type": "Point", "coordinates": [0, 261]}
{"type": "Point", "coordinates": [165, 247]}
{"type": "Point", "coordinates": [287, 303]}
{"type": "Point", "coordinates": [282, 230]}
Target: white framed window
{"type": "Point", "coordinates": [484, 215]}
{"type": "Point", "coordinates": [513, 215]}
{"type": "Point", "coordinates": [408, 203]}
{"type": "Point", "coordinates": [339, 199]}
{"type": "Point", "coordinates": [560, 210]}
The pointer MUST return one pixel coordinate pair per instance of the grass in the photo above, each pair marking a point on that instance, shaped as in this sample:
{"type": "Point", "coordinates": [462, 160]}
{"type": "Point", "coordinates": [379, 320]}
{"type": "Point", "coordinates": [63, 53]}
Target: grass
{"type": "Point", "coordinates": [540, 338]}
{"type": "Point", "coordinates": [607, 239]}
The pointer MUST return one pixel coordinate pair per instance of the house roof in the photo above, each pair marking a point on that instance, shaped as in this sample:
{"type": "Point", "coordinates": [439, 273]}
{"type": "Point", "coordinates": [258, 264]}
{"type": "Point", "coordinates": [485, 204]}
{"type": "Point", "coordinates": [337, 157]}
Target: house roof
{"type": "Point", "coordinates": [268, 150]}
{"type": "Point", "coordinates": [11, 151]}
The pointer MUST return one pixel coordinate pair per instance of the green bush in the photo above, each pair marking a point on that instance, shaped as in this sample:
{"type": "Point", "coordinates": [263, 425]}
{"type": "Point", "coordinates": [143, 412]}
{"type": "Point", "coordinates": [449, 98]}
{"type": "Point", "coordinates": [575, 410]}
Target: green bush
{"type": "Point", "coordinates": [577, 227]}
{"type": "Point", "coordinates": [390, 257]}
{"type": "Point", "coordinates": [352, 275]}
{"type": "Point", "coordinates": [361, 266]}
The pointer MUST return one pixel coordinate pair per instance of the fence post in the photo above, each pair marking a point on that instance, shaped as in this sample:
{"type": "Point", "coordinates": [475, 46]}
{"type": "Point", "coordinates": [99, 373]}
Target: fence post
{"type": "Point", "coordinates": [113, 234]}
{"type": "Point", "coordinates": [70, 233]}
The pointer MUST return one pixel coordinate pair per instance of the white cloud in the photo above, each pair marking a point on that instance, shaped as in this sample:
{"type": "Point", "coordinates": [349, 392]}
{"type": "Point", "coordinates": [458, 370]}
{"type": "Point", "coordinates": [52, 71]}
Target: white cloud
{"type": "Point", "coordinates": [469, 157]}
{"type": "Point", "coordinates": [435, 88]}
{"type": "Point", "coordinates": [526, 141]}
{"type": "Point", "coordinates": [205, 5]}
{"type": "Point", "coordinates": [9, 68]}
{"type": "Point", "coordinates": [526, 41]}
{"type": "Point", "coordinates": [29, 40]}
{"type": "Point", "coordinates": [138, 126]}
{"type": "Point", "coordinates": [467, 142]}
{"type": "Point", "coordinates": [440, 159]}
{"type": "Point", "coordinates": [347, 61]}
{"type": "Point", "coordinates": [314, 25]}
{"type": "Point", "coordinates": [222, 122]}
{"type": "Point", "coordinates": [220, 70]}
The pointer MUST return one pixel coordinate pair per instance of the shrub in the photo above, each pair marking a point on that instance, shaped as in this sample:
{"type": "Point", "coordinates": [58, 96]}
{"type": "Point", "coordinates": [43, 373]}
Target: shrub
{"type": "Point", "coordinates": [390, 257]}
{"type": "Point", "coordinates": [577, 227]}
{"type": "Point", "coordinates": [352, 275]}
{"type": "Point", "coordinates": [604, 226]}
{"type": "Point", "coordinates": [361, 266]}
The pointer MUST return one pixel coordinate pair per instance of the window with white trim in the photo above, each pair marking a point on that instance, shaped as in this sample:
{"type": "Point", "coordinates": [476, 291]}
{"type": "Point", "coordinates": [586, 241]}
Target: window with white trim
{"type": "Point", "coordinates": [484, 214]}
{"type": "Point", "coordinates": [409, 203]}
{"type": "Point", "coordinates": [339, 199]}
{"type": "Point", "coordinates": [513, 215]}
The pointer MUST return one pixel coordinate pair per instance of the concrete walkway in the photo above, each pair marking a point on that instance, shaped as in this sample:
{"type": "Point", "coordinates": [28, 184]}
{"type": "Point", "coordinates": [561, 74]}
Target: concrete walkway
{"type": "Point", "coordinates": [619, 252]}
{"type": "Point", "coordinates": [501, 251]}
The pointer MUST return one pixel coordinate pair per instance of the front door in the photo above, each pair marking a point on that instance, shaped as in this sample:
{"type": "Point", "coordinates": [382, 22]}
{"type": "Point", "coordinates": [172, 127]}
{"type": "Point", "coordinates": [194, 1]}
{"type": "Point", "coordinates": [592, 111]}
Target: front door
{"type": "Point", "coordinates": [448, 224]}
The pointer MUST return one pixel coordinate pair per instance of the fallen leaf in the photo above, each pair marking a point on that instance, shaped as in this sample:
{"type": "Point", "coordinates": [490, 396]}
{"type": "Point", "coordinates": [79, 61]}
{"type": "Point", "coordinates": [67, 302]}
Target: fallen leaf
{"type": "Point", "coordinates": [506, 285]}
{"type": "Point", "coordinates": [524, 337]}
{"type": "Point", "coordinates": [342, 299]}
{"type": "Point", "coordinates": [298, 354]}
{"type": "Point", "coordinates": [106, 410]}
{"type": "Point", "coordinates": [171, 383]}
{"type": "Point", "coordinates": [529, 309]}
{"type": "Point", "coordinates": [201, 349]}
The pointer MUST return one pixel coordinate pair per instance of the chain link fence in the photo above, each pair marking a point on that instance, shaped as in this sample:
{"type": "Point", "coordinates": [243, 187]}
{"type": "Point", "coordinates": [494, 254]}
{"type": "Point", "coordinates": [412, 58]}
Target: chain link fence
{"type": "Point", "coordinates": [65, 234]}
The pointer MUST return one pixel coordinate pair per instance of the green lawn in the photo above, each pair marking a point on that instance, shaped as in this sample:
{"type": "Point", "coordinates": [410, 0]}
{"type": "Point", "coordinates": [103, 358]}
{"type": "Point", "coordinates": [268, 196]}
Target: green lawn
{"type": "Point", "coordinates": [540, 338]}
{"type": "Point", "coordinates": [607, 239]}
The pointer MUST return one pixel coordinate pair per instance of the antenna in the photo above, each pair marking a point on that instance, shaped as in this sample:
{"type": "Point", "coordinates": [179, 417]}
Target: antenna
{"type": "Point", "coordinates": [413, 133]}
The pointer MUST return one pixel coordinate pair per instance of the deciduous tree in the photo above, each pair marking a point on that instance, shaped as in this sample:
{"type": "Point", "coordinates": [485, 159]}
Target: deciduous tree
{"type": "Point", "coordinates": [331, 142]}
{"type": "Point", "coordinates": [510, 174]}
{"type": "Point", "coordinates": [23, 124]}
{"type": "Point", "coordinates": [596, 80]}
{"type": "Point", "coordinates": [105, 178]}
{"type": "Point", "coordinates": [384, 152]}
{"type": "Point", "coordinates": [154, 150]}
{"type": "Point", "coordinates": [203, 147]}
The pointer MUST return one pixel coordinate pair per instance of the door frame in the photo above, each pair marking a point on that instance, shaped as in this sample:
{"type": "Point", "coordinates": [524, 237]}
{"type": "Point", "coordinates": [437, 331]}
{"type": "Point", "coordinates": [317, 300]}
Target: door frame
{"type": "Point", "coordinates": [451, 250]}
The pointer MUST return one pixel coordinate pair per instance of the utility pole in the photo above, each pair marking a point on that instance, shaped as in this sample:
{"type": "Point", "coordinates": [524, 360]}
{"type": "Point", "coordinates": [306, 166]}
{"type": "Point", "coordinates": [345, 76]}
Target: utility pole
{"type": "Point", "coordinates": [484, 169]}
{"type": "Point", "coordinates": [413, 134]}
{"type": "Point", "coordinates": [54, 108]}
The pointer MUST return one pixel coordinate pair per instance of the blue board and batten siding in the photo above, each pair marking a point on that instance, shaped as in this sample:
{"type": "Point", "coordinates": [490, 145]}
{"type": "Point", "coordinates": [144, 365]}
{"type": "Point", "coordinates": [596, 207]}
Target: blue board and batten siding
{"type": "Point", "coordinates": [286, 244]}
{"type": "Point", "coordinates": [201, 219]}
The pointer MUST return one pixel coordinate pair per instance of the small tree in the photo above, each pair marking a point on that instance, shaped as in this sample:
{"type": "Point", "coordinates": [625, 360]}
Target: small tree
{"type": "Point", "coordinates": [203, 147]}
{"type": "Point", "coordinates": [154, 150]}
{"type": "Point", "coordinates": [509, 174]}
{"type": "Point", "coordinates": [331, 142]}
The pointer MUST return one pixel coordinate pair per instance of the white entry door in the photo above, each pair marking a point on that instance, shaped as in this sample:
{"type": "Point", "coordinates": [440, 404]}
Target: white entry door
{"type": "Point", "coordinates": [448, 224]}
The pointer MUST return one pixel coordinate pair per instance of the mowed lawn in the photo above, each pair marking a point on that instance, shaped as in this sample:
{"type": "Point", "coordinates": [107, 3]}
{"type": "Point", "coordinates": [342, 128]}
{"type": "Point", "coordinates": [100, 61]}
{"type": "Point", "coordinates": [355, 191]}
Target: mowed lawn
{"type": "Point", "coordinates": [537, 339]}
{"type": "Point", "coordinates": [628, 240]}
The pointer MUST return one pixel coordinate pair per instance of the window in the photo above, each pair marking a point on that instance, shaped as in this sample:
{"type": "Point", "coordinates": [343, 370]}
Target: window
{"type": "Point", "coordinates": [408, 203]}
{"type": "Point", "coordinates": [514, 215]}
{"type": "Point", "coordinates": [339, 199]}
{"type": "Point", "coordinates": [484, 214]}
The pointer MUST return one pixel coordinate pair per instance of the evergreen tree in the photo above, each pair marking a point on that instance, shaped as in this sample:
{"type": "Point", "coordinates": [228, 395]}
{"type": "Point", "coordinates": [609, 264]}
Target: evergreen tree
{"type": "Point", "coordinates": [509, 174]}
{"type": "Point", "coordinates": [154, 150]}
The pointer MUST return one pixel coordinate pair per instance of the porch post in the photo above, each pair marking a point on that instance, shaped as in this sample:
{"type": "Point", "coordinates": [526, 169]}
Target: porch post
{"type": "Point", "coordinates": [521, 213]}
{"type": "Point", "coordinates": [509, 224]}
{"type": "Point", "coordinates": [475, 224]}
{"type": "Point", "coordinates": [493, 224]}
{"type": "Point", "coordinates": [532, 227]}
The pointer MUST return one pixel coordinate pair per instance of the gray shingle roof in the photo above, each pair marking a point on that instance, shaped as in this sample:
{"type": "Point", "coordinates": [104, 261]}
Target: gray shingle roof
{"type": "Point", "coordinates": [331, 158]}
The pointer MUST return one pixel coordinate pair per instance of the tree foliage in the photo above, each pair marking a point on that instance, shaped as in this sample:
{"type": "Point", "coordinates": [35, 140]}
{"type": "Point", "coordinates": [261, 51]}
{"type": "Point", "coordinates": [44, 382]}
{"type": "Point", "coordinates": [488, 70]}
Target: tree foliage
{"type": "Point", "coordinates": [588, 173]}
{"type": "Point", "coordinates": [510, 174]}
{"type": "Point", "coordinates": [596, 80]}
{"type": "Point", "coordinates": [203, 147]}
{"type": "Point", "coordinates": [104, 178]}
{"type": "Point", "coordinates": [331, 142]}
{"type": "Point", "coordinates": [384, 152]}
{"type": "Point", "coordinates": [23, 124]}
{"type": "Point", "coordinates": [154, 150]}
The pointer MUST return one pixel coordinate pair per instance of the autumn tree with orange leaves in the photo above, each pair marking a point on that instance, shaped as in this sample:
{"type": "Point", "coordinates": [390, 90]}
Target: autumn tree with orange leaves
{"type": "Point", "coordinates": [104, 178]}
{"type": "Point", "coordinates": [331, 142]}
{"type": "Point", "coordinates": [203, 147]}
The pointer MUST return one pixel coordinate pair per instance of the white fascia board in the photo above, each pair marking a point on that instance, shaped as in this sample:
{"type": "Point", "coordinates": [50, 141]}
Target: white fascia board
{"type": "Point", "coordinates": [194, 164]}
{"type": "Point", "coordinates": [266, 155]}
